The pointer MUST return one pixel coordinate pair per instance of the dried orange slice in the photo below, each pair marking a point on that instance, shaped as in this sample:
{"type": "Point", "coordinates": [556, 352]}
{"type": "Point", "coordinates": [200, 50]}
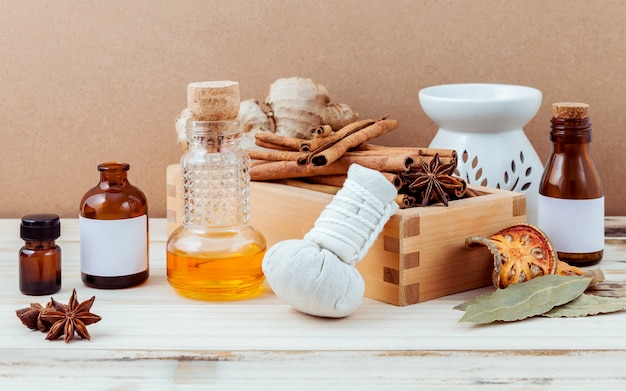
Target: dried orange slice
{"type": "Point", "coordinates": [522, 252]}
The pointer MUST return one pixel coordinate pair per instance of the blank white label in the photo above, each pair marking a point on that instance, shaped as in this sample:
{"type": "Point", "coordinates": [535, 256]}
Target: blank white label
{"type": "Point", "coordinates": [112, 248]}
{"type": "Point", "coordinates": [573, 226]}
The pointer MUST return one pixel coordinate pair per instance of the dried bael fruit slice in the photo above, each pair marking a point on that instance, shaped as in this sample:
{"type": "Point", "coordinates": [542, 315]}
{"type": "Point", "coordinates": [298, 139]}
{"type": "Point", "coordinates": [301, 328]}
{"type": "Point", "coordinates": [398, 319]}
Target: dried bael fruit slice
{"type": "Point", "coordinates": [522, 252]}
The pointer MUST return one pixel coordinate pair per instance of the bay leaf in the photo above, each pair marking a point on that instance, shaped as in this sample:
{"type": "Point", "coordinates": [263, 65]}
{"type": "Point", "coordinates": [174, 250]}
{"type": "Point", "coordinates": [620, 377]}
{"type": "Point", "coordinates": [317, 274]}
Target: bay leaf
{"type": "Point", "coordinates": [462, 306]}
{"type": "Point", "coordinates": [585, 305]}
{"type": "Point", "coordinates": [526, 299]}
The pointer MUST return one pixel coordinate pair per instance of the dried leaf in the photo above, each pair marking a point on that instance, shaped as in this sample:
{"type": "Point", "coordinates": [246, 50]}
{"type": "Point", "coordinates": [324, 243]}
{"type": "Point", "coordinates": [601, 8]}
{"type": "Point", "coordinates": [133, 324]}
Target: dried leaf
{"type": "Point", "coordinates": [462, 306]}
{"type": "Point", "coordinates": [585, 305]}
{"type": "Point", "coordinates": [523, 300]}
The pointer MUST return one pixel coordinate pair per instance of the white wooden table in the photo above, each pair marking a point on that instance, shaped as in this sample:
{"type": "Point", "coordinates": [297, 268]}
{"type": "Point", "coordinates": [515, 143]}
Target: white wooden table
{"type": "Point", "coordinates": [150, 338]}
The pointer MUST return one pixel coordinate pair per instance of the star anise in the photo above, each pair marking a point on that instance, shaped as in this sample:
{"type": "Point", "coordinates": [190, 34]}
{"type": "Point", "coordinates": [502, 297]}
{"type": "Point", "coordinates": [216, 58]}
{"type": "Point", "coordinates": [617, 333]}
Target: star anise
{"type": "Point", "coordinates": [435, 182]}
{"type": "Point", "coordinates": [31, 317]}
{"type": "Point", "coordinates": [69, 319]}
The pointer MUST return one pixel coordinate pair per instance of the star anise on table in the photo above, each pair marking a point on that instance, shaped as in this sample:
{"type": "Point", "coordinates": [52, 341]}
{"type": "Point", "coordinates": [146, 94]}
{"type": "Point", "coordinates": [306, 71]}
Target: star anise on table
{"type": "Point", "coordinates": [30, 317]}
{"type": "Point", "coordinates": [435, 182]}
{"type": "Point", "coordinates": [69, 319]}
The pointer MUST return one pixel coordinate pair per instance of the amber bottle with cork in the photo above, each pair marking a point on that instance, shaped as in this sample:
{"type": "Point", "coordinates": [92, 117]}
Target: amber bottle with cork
{"type": "Point", "coordinates": [216, 254]}
{"type": "Point", "coordinates": [114, 231]}
{"type": "Point", "coordinates": [571, 198]}
{"type": "Point", "coordinates": [40, 257]}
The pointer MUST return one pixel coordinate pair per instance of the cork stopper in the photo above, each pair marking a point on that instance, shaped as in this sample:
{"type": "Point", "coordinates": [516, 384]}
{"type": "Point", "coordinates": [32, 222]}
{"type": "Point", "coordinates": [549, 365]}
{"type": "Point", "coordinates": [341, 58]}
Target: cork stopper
{"type": "Point", "coordinates": [213, 100]}
{"type": "Point", "coordinates": [570, 110]}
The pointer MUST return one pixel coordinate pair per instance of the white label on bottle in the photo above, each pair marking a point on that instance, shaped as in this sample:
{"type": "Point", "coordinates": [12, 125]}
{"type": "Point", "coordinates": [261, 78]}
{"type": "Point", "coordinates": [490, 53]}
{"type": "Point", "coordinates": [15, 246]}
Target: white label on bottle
{"type": "Point", "coordinates": [573, 226]}
{"type": "Point", "coordinates": [112, 248]}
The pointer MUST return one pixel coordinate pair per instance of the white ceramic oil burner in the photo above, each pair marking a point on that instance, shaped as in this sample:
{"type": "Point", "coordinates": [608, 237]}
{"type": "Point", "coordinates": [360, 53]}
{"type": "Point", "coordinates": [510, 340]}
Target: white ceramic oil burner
{"type": "Point", "coordinates": [483, 123]}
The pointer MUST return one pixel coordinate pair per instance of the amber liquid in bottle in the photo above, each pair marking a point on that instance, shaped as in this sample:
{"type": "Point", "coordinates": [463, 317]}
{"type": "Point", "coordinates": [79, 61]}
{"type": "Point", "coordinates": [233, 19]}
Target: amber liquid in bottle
{"type": "Point", "coordinates": [215, 255]}
{"type": "Point", "coordinates": [40, 257]}
{"type": "Point", "coordinates": [571, 193]}
{"type": "Point", "coordinates": [217, 275]}
{"type": "Point", "coordinates": [114, 231]}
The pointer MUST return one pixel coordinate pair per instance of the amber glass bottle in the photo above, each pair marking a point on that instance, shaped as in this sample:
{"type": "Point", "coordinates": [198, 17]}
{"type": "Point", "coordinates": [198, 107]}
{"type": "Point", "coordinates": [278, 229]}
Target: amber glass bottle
{"type": "Point", "coordinates": [216, 254]}
{"type": "Point", "coordinates": [114, 231]}
{"type": "Point", "coordinates": [571, 198]}
{"type": "Point", "coordinates": [40, 257]}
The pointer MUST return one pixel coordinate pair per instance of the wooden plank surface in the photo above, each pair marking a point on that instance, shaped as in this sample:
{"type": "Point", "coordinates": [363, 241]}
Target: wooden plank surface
{"type": "Point", "coordinates": [151, 338]}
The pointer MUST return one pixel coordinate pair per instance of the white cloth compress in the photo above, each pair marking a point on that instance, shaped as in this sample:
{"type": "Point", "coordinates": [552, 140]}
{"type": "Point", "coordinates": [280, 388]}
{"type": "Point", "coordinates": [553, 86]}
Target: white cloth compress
{"type": "Point", "coordinates": [317, 274]}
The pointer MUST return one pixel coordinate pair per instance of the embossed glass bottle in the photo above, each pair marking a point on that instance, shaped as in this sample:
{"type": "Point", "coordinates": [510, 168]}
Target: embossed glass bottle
{"type": "Point", "coordinates": [571, 198]}
{"type": "Point", "coordinates": [216, 254]}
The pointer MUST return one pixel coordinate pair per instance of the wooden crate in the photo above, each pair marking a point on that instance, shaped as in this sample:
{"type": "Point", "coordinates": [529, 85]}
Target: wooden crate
{"type": "Point", "coordinates": [419, 255]}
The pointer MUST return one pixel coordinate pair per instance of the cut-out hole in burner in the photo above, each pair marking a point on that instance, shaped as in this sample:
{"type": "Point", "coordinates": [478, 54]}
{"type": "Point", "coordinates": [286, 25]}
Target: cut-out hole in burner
{"type": "Point", "coordinates": [479, 174]}
{"type": "Point", "coordinates": [464, 157]}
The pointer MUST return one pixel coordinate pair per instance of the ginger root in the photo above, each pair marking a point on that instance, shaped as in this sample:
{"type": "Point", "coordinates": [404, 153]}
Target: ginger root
{"type": "Point", "coordinates": [253, 120]}
{"type": "Point", "coordinates": [293, 108]}
{"type": "Point", "coordinates": [299, 105]}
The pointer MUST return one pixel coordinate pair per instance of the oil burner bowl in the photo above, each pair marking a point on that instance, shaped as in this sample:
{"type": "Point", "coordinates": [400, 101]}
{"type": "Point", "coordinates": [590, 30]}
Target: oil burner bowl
{"type": "Point", "coordinates": [479, 107]}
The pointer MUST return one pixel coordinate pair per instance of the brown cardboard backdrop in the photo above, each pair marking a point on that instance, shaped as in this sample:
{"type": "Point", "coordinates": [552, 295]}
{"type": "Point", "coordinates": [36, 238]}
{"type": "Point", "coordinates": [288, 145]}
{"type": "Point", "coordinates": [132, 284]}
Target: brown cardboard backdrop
{"type": "Point", "coordinates": [82, 82]}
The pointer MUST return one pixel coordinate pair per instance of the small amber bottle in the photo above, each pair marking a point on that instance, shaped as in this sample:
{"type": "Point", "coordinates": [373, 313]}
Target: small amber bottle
{"type": "Point", "coordinates": [40, 257]}
{"type": "Point", "coordinates": [571, 198]}
{"type": "Point", "coordinates": [114, 231]}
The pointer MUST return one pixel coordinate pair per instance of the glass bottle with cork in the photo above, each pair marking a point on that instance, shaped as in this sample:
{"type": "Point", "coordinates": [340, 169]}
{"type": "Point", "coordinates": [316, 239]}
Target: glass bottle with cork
{"type": "Point", "coordinates": [571, 198]}
{"type": "Point", "coordinates": [216, 254]}
{"type": "Point", "coordinates": [114, 231]}
{"type": "Point", "coordinates": [40, 257]}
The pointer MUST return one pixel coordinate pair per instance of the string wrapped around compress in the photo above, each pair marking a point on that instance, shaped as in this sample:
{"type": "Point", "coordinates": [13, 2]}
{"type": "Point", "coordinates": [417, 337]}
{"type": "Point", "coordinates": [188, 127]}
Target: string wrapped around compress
{"type": "Point", "coordinates": [317, 274]}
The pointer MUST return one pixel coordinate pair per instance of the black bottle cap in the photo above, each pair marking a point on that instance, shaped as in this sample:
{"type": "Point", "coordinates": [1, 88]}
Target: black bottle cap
{"type": "Point", "coordinates": [40, 226]}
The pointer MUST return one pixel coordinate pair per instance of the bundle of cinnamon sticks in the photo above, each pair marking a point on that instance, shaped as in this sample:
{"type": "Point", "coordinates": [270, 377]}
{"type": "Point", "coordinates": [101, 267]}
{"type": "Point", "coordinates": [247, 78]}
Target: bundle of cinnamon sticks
{"type": "Point", "coordinates": [324, 160]}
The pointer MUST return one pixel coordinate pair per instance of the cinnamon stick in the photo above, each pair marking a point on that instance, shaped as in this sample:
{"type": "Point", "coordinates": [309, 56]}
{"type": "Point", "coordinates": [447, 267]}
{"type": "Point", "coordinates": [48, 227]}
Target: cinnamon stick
{"type": "Point", "coordinates": [322, 131]}
{"type": "Point", "coordinates": [394, 179]}
{"type": "Point", "coordinates": [310, 145]}
{"type": "Point", "coordinates": [414, 152]}
{"type": "Point", "coordinates": [330, 180]}
{"type": "Point", "coordinates": [267, 145]}
{"type": "Point", "coordinates": [408, 150]}
{"type": "Point", "coordinates": [405, 201]}
{"type": "Point", "coordinates": [329, 153]}
{"type": "Point", "coordinates": [469, 192]}
{"type": "Point", "coordinates": [388, 163]}
{"type": "Point", "coordinates": [273, 155]}
{"type": "Point", "coordinates": [338, 180]}
{"type": "Point", "coordinates": [428, 159]}
{"type": "Point", "coordinates": [291, 169]}
{"type": "Point", "coordinates": [292, 143]}
{"type": "Point", "coordinates": [257, 162]}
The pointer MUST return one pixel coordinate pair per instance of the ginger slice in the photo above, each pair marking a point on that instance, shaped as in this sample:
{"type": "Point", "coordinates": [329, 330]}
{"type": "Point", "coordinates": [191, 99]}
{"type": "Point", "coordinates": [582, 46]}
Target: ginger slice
{"type": "Point", "coordinates": [522, 252]}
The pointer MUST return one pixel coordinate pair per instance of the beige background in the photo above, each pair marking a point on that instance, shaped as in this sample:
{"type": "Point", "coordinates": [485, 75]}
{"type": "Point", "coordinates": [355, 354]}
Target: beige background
{"type": "Point", "coordinates": [82, 82]}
